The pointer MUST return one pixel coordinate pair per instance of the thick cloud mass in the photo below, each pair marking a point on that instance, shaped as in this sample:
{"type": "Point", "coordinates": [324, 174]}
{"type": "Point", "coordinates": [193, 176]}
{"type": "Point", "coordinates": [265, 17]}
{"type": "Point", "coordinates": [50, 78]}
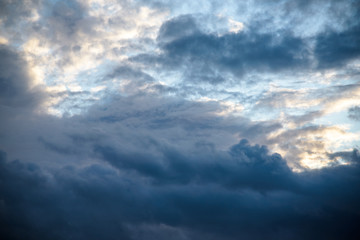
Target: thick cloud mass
{"type": "Point", "coordinates": [334, 49]}
{"type": "Point", "coordinates": [231, 196]}
{"type": "Point", "coordinates": [233, 170]}
{"type": "Point", "coordinates": [183, 43]}
{"type": "Point", "coordinates": [142, 120]}
{"type": "Point", "coordinates": [15, 89]}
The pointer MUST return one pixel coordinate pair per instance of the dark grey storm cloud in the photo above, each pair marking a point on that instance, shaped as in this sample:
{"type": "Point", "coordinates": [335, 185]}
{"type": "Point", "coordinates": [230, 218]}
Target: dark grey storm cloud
{"type": "Point", "coordinates": [239, 52]}
{"type": "Point", "coordinates": [201, 55]}
{"type": "Point", "coordinates": [221, 198]}
{"type": "Point", "coordinates": [334, 49]}
{"type": "Point", "coordinates": [234, 169]}
{"type": "Point", "coordinates": [15, 83]}
{"type": "Point", "coordinates": [141, 183]}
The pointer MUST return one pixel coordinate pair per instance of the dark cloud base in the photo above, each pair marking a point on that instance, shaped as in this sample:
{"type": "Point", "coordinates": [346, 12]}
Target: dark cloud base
{"type": "Point", "coordinates": [243, 193]}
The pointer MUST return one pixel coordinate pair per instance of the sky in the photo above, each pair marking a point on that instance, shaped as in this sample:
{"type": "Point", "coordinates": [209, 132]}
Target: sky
{"type": "Point", "coordinates": [182, 120]}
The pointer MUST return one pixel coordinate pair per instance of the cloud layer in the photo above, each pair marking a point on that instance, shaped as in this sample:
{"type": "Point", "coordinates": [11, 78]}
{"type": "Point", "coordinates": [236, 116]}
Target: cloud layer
{"type": "Point", "coordinates": [141, 120]}
{"type": "Point", "coordinates": [234, 195]}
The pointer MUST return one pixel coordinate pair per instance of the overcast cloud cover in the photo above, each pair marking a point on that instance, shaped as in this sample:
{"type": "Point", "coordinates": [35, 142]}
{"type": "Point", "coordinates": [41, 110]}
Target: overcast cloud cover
{"type": "Point", "coordinates": [184, 120]}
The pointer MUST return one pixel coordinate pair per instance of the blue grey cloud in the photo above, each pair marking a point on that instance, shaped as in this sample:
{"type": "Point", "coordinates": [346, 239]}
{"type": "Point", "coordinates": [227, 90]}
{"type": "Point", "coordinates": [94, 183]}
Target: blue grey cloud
{"type": "Point", "coordinates": [13, 11]}
{"type": "Point", "coordinates": [204, 56]}
{"type": "Point", "coordinates": [234, 169]}
{"type": "Point", "coordinates": [218, 198]}
{"type": "Point", "coordinates": [334, 49]}
{"type": "Point", "coordinates": [15, 80]}
{"type": "Point", "coordinates": [354, 113]}
{"type": "Point", "coordinates": [206, 53]}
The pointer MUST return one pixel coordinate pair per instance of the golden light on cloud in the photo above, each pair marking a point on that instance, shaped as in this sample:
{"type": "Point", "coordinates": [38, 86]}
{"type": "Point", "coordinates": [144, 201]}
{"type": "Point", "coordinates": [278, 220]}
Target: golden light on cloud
{"type": "Point", "coordinates": [53, 65]}
{"type": "Point", "coordinates": [314, 160]}
{"type": "Point", "coordinates": [3, 40]}
{"type": "Point", "coordinates": [235, 26]}
{"type": "Point", "coordinates": [311, 146]}
{"type": "Point", "coordinates": [230, 109]}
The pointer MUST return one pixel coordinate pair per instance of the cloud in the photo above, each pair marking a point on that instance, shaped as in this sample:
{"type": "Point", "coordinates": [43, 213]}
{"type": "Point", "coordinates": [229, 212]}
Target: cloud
{"type": "Point", "coordinates": [309, 145]}
{"type": "Point", "coordinates": [308, 129]}
{"type": "Point", "coordinates": [335, 49]}
{"type": "Point", "coordinates": [201, 52]}
{"type": "Point", "coordinates": [350, 156]}
{"type": "Point", "coordinates": [179, 27]}
{"type": "Point", "coordinates": [234, 169]}
{"type": "Point", "coordinates": [171, 118]}
{"type": "Point", "coordinates": [354, 113]}
{"type": "Point", "coordinates": [16, 89]}
{"type": "Point", "coordinates": [194, 51]}
{"type": "Point", "coordinates": [67, 45]}
{"type": "Point", "coordinates": [12, 11]}
{"type": "Point", "coordinates": [206, 57]}
{"type": "Point", "coordinates": [223, 197]}
{"type": "Point", "coordinates": [51, 210]}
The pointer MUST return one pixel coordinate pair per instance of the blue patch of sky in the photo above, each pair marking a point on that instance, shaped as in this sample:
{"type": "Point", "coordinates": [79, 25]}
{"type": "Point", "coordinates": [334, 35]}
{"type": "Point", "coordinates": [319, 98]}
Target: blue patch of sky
{"type": "Point", "coordinates": [87, 80]}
